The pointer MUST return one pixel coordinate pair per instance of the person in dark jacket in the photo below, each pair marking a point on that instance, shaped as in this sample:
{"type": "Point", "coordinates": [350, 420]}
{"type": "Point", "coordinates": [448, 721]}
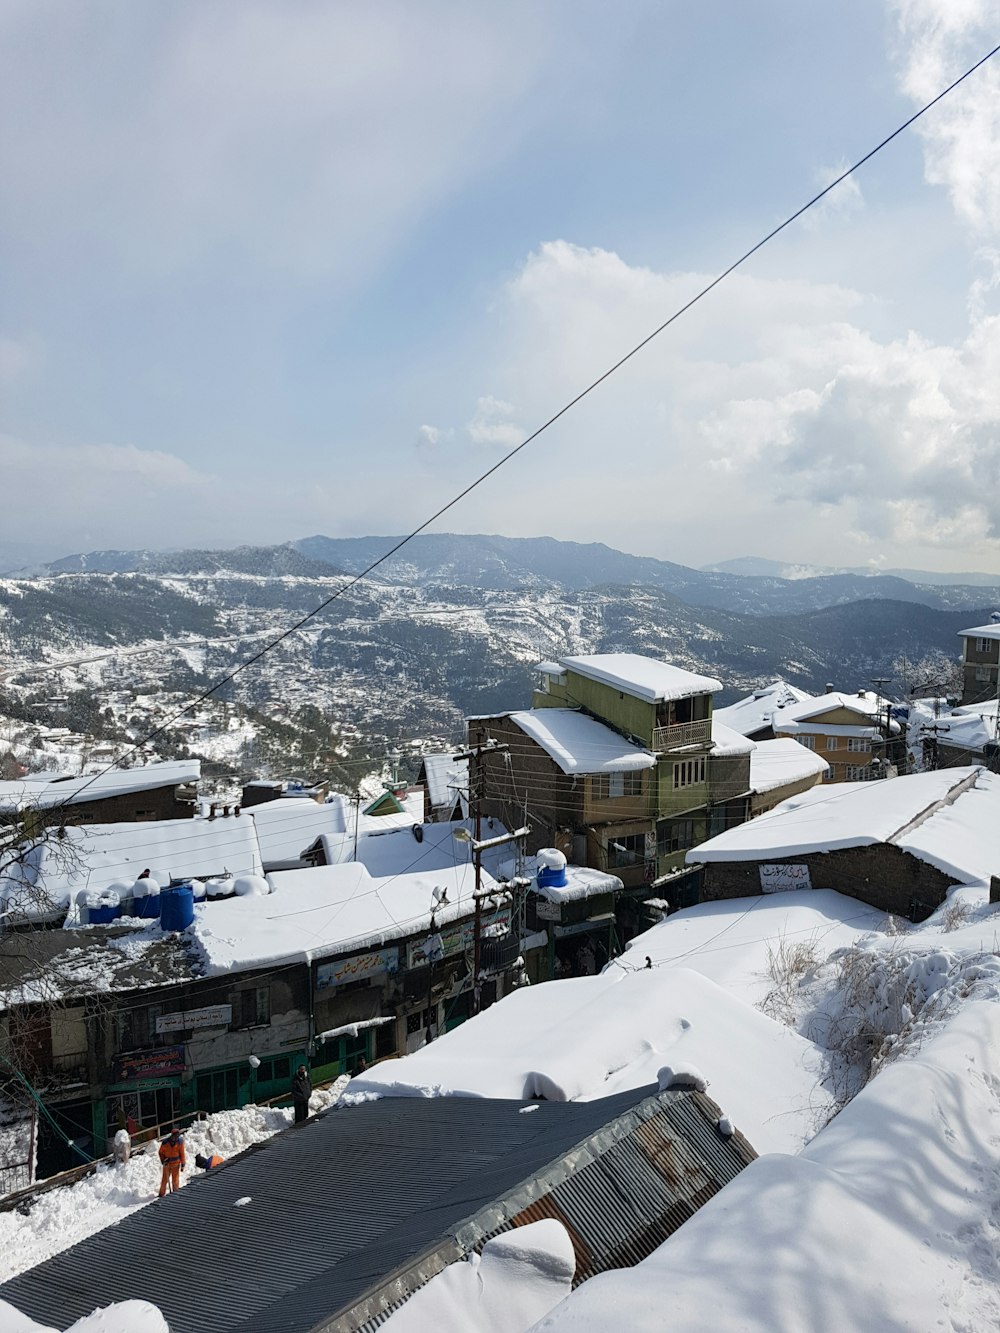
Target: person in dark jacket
{"type": "Point", "coordinates": [301, 1092]}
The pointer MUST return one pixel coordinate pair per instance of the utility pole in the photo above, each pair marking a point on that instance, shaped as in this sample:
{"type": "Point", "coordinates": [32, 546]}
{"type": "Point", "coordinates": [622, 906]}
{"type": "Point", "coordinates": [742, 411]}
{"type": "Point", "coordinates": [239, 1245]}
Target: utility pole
{"type": "Point", "coordinates": [474, 755]}
{"type": "Point", "coordinates": [880, 682]}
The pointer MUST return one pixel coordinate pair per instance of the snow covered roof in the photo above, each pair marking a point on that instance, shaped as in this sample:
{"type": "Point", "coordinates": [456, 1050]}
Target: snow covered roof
{"type": "Point", "coordinates": [60, 964]}
{"type": "Point", "coordinates": [399, 851]}
{"type": "Point", "coordinates": [727, 743]}
{"type": "Point", "coordinates": [581, 1039]}
{"type": "Point", "coordinates": [581, 744]}
{"type": "Point", "coordinates": [645, 677]}
{"type": "Point", "coordinates": [789, 726]}
{"type": "Point", "coordinates": [949, 818]}
{"type": "Point", "coordinates": [97, 855]}
{"type": "Point", "coordinates": [875, 1227]}
{"type": "Point", "coordinates": [285, 828]}
{"type": "Point", "coordinates": [755, 712]}
{"type": "Point", "coordinates": [990, 631]}
{"type": "Point", "coordinates": [326, 910]}
{"type": "Point", "coordinates": [864, 702]}
{"type": "Point", "coordinates": [447, 778]}
{"type": "Point", "coordinates": [46, 792]}
{"type": "Point", "coordinates": [581, 882]}
{"type": "Point", "coordinates": [780, 762]}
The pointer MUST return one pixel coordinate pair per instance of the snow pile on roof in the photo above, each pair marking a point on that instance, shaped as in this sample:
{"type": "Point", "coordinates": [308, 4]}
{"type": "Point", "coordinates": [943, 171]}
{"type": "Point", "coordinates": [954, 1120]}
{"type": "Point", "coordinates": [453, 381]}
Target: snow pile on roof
{"type": "Point", "coordinates": [326, 910]}
{"type": "Point", "coordinates": [519, 1277]}
{"type": "Point", "coordinates": [590, 1037]}
{"type": "Point", "coordinates": [422, 848]}
{"type": "Point", "coordinates": [93, 857]}
{"type": "Point", "coordinates": [865, 703]}
{"type": "Point", "coordinates": [46, 792]}
{"type": "Point", "coordinates": [644, 677]}
{"type": "Point", "coordinates": [755, 712]}
{"type": "Point", "coordinates": [959, 835]}
{"type": "Point", "coordinates": [780, 762]}
{"type": "Point", "coordinates": [119, 1317]}
{"type": "Point", "coordinates": [731, 942]}
{"type": "Point", "coordinates": [990, 631]}
{"type": "Point", "coordinates": [968, 728]}
{"type": "Point", "coordinates": [447, 779]}
{"type": "Point", "coordinates": [285, 828]}
{"type": "Point", "coordinates": [581, 881]}
{"type": "Point", "coordinates": [581, 744]}
{"type": "Point", "coordinates": [885, 1222]}
{"type": "Point", "coordinates": [356, 825]}
{"type": "Point", "coordinates": [727, 743]}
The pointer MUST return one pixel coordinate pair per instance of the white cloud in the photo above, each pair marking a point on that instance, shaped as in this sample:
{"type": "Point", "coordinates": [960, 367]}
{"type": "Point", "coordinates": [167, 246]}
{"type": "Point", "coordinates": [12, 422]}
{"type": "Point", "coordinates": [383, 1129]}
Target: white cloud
{"type": "Point", "coordinates": [771, 418]}
{"type": "Point", "coordinates": [19, 357]}
{"type": "Point", "coordinates": [939, 39]}
{"type": "Point", "coordinates": [492, 424]}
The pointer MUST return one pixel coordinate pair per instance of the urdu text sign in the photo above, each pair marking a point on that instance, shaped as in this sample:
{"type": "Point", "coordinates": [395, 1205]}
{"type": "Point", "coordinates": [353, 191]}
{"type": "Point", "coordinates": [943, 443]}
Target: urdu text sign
{"type": "Point", "coordinates": [784, 878]}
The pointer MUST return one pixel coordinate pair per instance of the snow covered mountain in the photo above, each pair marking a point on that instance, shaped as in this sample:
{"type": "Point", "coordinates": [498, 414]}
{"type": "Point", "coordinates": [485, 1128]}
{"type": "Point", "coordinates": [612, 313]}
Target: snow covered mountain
{"type": "Point", "coordinates": [115, 643]}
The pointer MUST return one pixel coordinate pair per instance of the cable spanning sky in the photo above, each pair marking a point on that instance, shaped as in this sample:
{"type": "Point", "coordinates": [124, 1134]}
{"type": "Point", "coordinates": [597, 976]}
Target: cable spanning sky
{"type": "Point", "coordinates": [276, 267]}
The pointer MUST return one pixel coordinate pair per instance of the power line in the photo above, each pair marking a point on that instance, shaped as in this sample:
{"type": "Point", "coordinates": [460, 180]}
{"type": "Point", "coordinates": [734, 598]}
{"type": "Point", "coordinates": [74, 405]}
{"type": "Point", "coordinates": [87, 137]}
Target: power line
{"type": "Point", "coordinates": [512, 453]}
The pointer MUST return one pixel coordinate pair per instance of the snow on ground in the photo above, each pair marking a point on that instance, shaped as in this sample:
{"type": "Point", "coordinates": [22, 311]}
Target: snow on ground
{"type": "Point", "coordinates": [63, 1216]}
{"type": "Point", "coordinates": [590, 1037]}
{"type": "Point", "coordinates": [519, 1277]}
{"type": "Point", "coordinates": [886, 1222]}
{"type": "Point", "coordinates": [732, 942]}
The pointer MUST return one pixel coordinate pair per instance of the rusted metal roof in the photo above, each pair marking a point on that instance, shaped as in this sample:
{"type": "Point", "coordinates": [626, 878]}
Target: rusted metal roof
{"type": "Point", "coordinates": [352, 1212]}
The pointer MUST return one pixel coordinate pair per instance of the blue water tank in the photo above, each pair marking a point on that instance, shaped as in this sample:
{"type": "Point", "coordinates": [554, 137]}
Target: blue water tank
{"type": "Point", "coordinates": [549, 878]}
{"type": "Point", "coordinates": [103, 915]}
{"type": "Point", "coordinates": [147, 905]}
{"type": "Point", "coordinates": [177, 907]}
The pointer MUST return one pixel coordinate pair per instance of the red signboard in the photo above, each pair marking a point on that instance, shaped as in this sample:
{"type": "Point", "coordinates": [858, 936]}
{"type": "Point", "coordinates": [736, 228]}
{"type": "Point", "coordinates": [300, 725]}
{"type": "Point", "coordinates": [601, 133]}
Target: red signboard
{"type": "Point", "coordinates": [149, 1064]}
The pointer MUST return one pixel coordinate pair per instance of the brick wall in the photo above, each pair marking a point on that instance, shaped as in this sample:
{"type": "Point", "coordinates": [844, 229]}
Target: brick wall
{"type": "Point", "coordinates": [882, 876]}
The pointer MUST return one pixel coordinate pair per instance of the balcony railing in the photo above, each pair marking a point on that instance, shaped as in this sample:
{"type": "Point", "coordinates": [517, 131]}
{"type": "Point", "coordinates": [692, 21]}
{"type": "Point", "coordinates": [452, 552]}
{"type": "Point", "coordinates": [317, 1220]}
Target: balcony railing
{"type": "Point", "coordinates": [681, 734]}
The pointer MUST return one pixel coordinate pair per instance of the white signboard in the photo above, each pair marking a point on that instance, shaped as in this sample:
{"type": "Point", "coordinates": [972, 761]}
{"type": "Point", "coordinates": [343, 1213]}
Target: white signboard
{"type": "Point", "coordinates": [784, 878]}
{"type": "Point", "coordinates": [213, 1016]}
{"type": "Point", "coordinates": [546, 911]}
{"type": "Point", "coordinates": [356, 969]}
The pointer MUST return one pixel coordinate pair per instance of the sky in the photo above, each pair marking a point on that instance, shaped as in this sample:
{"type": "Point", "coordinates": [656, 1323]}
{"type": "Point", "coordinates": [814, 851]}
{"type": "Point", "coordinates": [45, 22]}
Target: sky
{"type": "Point", "coordinates": [271, 268]}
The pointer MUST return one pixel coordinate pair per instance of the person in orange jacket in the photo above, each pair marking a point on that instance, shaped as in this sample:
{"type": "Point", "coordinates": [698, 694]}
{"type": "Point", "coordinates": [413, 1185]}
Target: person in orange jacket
{"type": "Point", "coordinates": [174, 1160]}
{"type": "Point", "coordinates": [206, 1163]}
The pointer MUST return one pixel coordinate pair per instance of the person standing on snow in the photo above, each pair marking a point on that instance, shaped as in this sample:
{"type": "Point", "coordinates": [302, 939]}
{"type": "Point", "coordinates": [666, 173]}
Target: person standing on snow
{"type": "Point", "coordinates": [301, 1092]}
{"type": "Point", "coordinates": [174, 1160]}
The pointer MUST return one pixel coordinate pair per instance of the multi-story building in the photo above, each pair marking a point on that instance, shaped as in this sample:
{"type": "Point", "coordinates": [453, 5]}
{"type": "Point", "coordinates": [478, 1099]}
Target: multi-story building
{"type": "Point", "coordinates": [850, 731]}
{"type": "Point", "coordinates": [980, 662]}
{"type": "Point", "coordinates": [615, 764]}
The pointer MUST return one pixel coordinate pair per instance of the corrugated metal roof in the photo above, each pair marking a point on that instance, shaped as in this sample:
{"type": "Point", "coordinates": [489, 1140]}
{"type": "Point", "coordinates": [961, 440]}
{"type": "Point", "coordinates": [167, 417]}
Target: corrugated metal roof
{"type": "Point", "coordinates": [354, 1210]}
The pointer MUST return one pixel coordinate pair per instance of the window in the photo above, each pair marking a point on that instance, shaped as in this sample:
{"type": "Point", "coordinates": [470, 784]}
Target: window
{"type": "Point", "coordinates": [613, 786]}
{"type": "Point", "coordinates": [983, 645]}
{"type": "Point", "coordinates": [858, 744]}
{"type": "Point", "coordinates": [630, 851]}
{"type": "Point", "coordinates": [828, 775]}
{"type": "Point", "coordinates": [676, 836]}
{"type": "Point", "coordinates": [856, 772]}
{"type": "Point", "coordinates": [252, 1008]}
{"type": "Point", "coordinates": [688, 771]}
{"type": "Point", "coordinates": [138, 1028]}
{"type": "Point", "coordinates": [983, 673]}
{"type": "Point", "coordinates": [831, 742]}
{"type": "Point", "coordinates": [808, 741]}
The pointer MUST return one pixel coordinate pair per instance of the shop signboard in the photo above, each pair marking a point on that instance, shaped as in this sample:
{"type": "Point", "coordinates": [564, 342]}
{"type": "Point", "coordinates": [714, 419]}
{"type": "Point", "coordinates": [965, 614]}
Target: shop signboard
{"type": "Point", "coordinates": [140, 1065]}
{"type": "Point", "coordinates": [784, 878]}
{"type": "Point", "coordinates": [212, 1016]}
{"type": "Point", "coordinates": [546, 911]}
{"type": "Point", "coordinates": [455, 939]}
{"type": "Point", "coordinates": [357, 968]}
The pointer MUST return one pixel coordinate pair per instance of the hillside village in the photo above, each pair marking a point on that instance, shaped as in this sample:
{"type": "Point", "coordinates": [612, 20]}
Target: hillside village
{"type": "Point", "coordinates": [674, 932]}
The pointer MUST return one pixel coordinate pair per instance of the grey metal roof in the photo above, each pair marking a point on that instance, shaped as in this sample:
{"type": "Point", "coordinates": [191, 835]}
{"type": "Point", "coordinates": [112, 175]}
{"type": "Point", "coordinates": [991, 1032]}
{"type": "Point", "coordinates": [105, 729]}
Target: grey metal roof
{"type": "Point", "coordinates": [355, 1209]}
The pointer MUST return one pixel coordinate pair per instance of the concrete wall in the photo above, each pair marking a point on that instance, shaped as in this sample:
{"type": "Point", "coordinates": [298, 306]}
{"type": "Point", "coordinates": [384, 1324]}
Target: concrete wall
{"type": "Point", "coordinates": [882, 876]}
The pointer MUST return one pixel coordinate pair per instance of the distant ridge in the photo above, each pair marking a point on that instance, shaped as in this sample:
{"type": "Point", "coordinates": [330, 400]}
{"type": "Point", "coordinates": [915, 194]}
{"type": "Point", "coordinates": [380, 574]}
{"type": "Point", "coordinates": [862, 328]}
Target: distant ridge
{"type": "Point", "coordinates": [755, 566]}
